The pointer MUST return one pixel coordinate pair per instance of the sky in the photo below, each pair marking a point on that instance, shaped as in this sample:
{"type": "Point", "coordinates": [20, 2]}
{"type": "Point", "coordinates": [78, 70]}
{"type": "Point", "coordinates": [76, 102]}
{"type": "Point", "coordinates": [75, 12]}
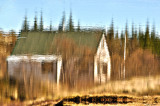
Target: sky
{"type": "Point", "coordinates": [88, 12]}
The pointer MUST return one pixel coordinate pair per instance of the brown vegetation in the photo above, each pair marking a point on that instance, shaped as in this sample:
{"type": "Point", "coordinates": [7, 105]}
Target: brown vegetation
{"type": "Point", "coordinates": [139, 63]}
{"type": "Point", "coordinates": [142, 63]}
{"type": "Point", "coordinates": [7, 42]}
{"type": "Point", "coordinates": [77, 61]}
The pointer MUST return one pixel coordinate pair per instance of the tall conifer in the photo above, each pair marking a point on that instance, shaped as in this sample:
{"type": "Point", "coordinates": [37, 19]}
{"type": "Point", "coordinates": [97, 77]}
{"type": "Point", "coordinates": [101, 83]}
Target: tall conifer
{"type": "Point", "coordinates": [25, 25]}
{"type": "Point", "coordinates": [153, 36]}
{"type": "Point", "coordinates": [50, 27]}
{"type": "Point", "coordinates": [133, 31]}
{"type": "Point", "coordinates": [62, 23]}
{"type": "Point", "coordinates": [35, 27]}
{"type": "Point", "coordinates": [41, 22]}
{"type": "Point", "coordinates": [78, 27]}
{"type": "Point", "coordinates": [116, 34]}
{"type": "Point", "coordinates": [147, 37]}
{"type": "Point", "coordinates": [111, 31]}
{"type": "Point", "coordinates": [141, 37]}
{"type": "Point", "coordinates": [126, 32]}
{"type": "Point", "coordinates": [153, 33]}
{"type": "Point", "coordinates": [70, 23]}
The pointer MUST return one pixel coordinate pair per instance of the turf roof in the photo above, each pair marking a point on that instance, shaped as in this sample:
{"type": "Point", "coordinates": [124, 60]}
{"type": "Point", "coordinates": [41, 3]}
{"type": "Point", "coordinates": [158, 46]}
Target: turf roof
{"type": "Point", "coordinates": [43, 43]}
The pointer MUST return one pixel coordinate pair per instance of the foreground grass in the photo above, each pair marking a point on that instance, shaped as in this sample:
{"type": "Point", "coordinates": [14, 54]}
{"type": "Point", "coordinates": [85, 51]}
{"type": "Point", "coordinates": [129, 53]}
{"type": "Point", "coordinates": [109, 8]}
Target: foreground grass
{"type": "Point", "coordinates": [140, 88]}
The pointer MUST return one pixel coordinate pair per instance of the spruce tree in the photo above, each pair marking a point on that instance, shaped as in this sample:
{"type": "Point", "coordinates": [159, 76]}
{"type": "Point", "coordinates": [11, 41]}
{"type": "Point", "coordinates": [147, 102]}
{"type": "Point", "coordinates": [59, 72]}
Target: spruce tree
{"type": "Point", "coordinates": [78, 27]}
{"type": "Point", "coordinates": [122, 44]}
{"type": "Point", "coordinates": [35, 27]}
{"type": "Point", "coordinates": [70, 23]}
{"type": "Point", "coordinates": [110, 38]}
{"type": "Point", "coordinates": [122, 36]}
{"type": "Point", "coordinates": [41, 22]}
{"type": "Point", "coordinates": [147, 37]}
{"type": "Point", "coordinates": [126, 32]}
{"type": "Point", "coordinates": [111, 31]}
{"type": "Point", "coordinates": [62, 23]}
{"type": "Point", "coordinates": [133, 31]}
{"type": "Point", "coordinates": [134, 42]}
{"type": "Point", "coordinates": [116, 34]}
{"type": "Point", "coordinates": [50, 27]}
{"type": "Point", "coordinates": [141, 37]}
{"type": "Point", "coordinates": [117, 43]}
{"type": "Point", "coordinates": [126, 36]}
{"type": "Point", "coordinates": [135, 38]}
{"type": "Point", "coordinates": [153, 35]}
{"type": "Point", "coordinates": [25, 27]}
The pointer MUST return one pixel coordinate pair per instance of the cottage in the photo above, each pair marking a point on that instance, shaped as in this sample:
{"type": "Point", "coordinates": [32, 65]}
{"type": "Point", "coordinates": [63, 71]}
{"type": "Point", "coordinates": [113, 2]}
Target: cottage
{"type": "Point", "coordinates": [56, 54]}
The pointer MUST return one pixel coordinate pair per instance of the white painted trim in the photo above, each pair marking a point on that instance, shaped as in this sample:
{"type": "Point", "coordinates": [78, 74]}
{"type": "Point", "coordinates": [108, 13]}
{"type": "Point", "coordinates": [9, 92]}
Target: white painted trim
{"type": "Point", "coordinates": [38, 58]}
{"type": "Point", "coordinates": [99, 50]}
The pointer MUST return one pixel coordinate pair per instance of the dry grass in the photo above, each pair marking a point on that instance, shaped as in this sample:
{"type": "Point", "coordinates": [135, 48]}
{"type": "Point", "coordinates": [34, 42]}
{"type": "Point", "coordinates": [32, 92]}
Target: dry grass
{"type": "Point", "coordinates": [135, 86]}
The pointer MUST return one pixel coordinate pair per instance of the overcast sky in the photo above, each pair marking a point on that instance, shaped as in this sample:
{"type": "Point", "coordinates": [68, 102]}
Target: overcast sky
{"type": "Point", "coordinates": [89, 12]}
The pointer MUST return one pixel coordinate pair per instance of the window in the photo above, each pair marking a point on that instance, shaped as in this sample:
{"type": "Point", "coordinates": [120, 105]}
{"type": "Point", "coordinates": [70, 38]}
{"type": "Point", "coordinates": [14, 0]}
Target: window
{"type": "Point", "coordinates": [49, 67]}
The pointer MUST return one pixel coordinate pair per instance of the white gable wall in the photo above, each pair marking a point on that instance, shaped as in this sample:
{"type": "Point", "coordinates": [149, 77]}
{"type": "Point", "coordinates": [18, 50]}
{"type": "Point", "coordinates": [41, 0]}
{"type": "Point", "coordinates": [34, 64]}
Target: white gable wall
{"type": "Point", "coordinates": [102, 57]}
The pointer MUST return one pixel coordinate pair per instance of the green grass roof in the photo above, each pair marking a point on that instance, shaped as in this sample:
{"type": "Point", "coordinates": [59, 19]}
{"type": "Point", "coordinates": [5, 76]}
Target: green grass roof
{"type": "Point", "coordinates": [43, 43]}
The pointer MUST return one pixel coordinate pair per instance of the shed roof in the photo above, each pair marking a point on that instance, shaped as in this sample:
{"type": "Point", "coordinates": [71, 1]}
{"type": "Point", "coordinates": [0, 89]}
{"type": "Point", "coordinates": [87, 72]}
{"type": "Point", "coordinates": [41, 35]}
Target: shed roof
{"type": "Point", "coordinates": [48, 43]}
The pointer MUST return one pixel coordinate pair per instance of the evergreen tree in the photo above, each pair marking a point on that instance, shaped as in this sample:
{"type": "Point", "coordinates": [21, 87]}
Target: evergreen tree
{"type": "Point", "coordinates": [141, 37]}
{"type": "Point", "coordinates": [135, 34]}
{"type": "Point", "coordinates": [78, 27]}
{"type": "Point", "coordinates": [116, 34]}
{"type": "Point", "coordinates": [126, 32]}
{"type": "Point", "coordinates": [111, 31]}
{"type": "Point", "coordinates": [116, 47]}
{"type": "Point", "coordinates": [110, 38]}
{"type": "Point", "coordinates": [128, 47]}
{"type": "Point", "coordinates": [62, 23]}
{"type": "Point", "coordinates": [41, 22]}
{"type": "Point", "coordinates": [122, 36]}
{"type": "Point", "coordinates": [25, 27]}
{"type": "Point", "coordinates": [147, 37]}
{"type": "Point", "coordinates": [153, 34]}
{"type": "Point", "coordinates": [70, 23]}
{"type": "Point", "coordinates": [134, 42]}
{"type": "Point", "coordinates": [133, 31]}
{"type": "Point", "coordinates": [50, 27]}
{"type": "Point", "coordinates": [35, 28]}
{"type": "Point", "coordinates": [122, 44]}
{"type": "Point", "coordinates": [157, 46]}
